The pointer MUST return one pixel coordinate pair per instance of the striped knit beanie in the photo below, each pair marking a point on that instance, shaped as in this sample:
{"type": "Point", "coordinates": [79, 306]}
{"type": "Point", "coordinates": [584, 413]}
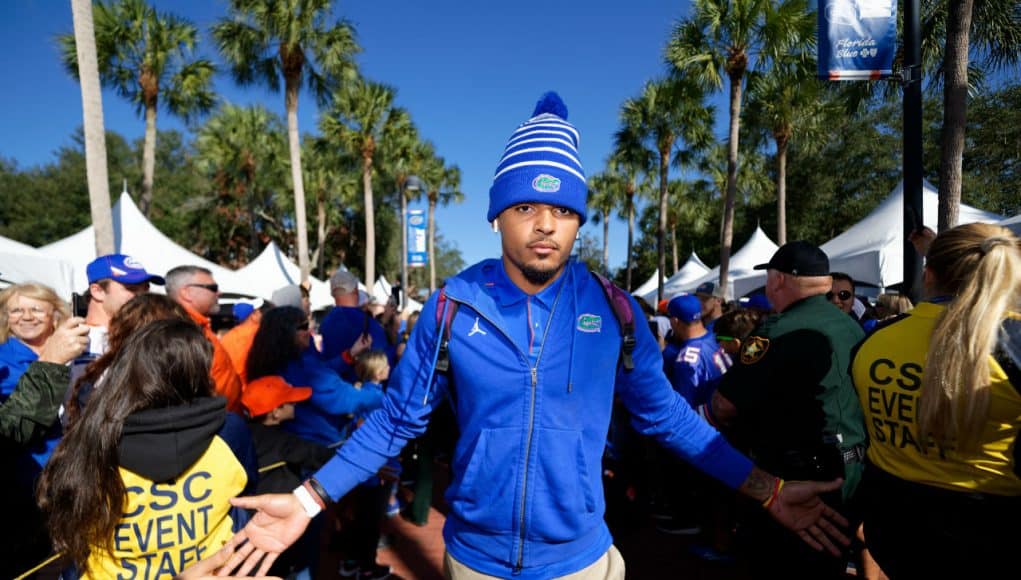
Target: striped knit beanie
{"type": "Point", "coordinates": [540, 163]}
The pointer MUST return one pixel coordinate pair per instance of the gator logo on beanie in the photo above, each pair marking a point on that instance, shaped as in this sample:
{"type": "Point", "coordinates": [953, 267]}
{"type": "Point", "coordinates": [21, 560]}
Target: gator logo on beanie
{"type": "Point", "coordinates": [546, 184]}
{"type": "Point", "coordinates": [540, 163]}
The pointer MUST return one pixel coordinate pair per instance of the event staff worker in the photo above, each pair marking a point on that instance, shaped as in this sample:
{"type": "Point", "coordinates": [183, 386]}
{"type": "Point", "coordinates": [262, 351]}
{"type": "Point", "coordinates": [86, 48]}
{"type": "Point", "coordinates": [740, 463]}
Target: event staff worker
{"type": "Point", "coordinates": [194, 288]}
{"type": "Point", "coordinates": [790, 397]}
{"type": "Point", "coordinates": [940, 390]}
{"type": "Point", "coordinates": [533, 352]}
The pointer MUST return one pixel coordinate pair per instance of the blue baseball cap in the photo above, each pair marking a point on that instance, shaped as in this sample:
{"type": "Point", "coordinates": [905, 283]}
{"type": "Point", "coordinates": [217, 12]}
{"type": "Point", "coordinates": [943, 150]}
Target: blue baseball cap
{"type": "Point", "coordinates": [120, 268]}
{"type": "Point", "coordinates": [685, 307]}
{"type": "Point", "coordinates": [758, 300]}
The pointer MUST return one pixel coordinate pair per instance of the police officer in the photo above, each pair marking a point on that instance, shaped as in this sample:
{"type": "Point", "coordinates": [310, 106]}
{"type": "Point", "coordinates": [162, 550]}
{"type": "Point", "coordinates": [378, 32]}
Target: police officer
{"type": "Point", "coordinates": [790, 397]}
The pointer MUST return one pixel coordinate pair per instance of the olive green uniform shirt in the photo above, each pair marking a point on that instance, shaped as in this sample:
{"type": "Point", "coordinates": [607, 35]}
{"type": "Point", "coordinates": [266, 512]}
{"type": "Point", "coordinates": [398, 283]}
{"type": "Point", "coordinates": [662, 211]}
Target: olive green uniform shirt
{"type": "Point", "coordinates": [797, 409]}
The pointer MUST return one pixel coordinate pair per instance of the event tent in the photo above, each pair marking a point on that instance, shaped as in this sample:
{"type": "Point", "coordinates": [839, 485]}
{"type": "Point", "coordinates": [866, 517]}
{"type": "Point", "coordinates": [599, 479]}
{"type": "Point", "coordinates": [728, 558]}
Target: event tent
{"type": "Point", "coordinates": [272, 270]}
{"type": "Point", "coordinates": [21, 263]}
{"type": "Point", "coordinates": [1013, 224]}
{"type": "Point", "coordinates": [743, 278]}
{"type": "Point", "coordinates": [381, 294]}
{"type": "Point", "coordinates": [692, 269]}
{"type": "Point", "coordinates": [872, 250]}
{"type": "Point", "coordinates": [135, 236]}
{"type": "Point", "coordinates": [649, 285]}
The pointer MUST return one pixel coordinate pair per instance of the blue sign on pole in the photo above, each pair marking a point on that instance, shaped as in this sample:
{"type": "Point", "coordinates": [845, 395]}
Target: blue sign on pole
{"type": "Point", "coordinates": [857, 39]}
{"type": "Point", "coordinates": [418, 256]}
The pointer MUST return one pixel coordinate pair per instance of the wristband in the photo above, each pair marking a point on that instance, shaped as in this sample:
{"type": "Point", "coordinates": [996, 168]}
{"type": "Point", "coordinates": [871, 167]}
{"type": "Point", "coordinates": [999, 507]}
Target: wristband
{"type": "Point", "coordinates": [775, 494]}
{"type": "Point", "coordinates": [311, 507]}
{"type": "Point", "coordinates": [318, 492]}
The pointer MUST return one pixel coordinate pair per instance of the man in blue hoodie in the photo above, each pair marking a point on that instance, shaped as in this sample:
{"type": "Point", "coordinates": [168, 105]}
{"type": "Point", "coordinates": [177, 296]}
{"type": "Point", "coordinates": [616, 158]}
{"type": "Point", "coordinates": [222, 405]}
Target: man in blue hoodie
{"type": "Point", "coordinates": [533, 352]}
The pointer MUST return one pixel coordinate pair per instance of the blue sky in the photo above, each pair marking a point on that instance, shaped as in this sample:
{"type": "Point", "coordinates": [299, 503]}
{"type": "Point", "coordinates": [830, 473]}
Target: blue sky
{"type": "Point", "coordinates": [469, 72]}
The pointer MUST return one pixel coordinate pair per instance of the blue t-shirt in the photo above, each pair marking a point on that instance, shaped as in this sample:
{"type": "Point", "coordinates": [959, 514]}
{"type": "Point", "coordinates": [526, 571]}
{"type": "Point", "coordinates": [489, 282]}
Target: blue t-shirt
{"type": "Point", "coordinates": [15, 357]}
{"type": "Point", "coordinates": [697, 368]}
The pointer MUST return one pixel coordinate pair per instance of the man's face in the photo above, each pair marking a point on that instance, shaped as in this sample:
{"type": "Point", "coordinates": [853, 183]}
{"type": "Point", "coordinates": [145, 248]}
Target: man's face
{"type": "Point", "coordinates": [841, 295]}
{"type": "Point", "coordinates": [537, 240]}
{"type": "Point", "coordinates": [116, 294]}
{"type": "Point", "coordinates": [710, 304]}
{"type": "Point", "coordinates": [201, 295]}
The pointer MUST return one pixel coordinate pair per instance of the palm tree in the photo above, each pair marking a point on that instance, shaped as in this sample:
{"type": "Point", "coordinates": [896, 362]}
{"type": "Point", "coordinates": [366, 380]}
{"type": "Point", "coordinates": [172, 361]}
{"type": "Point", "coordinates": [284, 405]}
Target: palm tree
{"type": "Point", "coordinates": [332, 178]}
{"type": "Point", "coordinates": [144, 56]}
{"type": "Point", "coordinates": [989, 30]}
{"type": "Point", "coordinates": [668, 112]}
{"type": "Point", "coordinates": [787, 101]}
{"type": "Point", "coordinates": [721, 38]}
{"type": "Point", "coordinates": [605, 196]}
{"type": "Point", "coordinates": [264, 40]}
{"type": "Point", "coordinates": [361, 118]}
{"type": "Point", "coordinates": [92, 119]}
{"type": "Point", "coordinates": [443, 186]}
{"type": "Point", "coordinates": [242, 151]}
{"type": "Point", "coordinates": [629, 161]}
{"type": "Point", "coordinates": [400, 156]}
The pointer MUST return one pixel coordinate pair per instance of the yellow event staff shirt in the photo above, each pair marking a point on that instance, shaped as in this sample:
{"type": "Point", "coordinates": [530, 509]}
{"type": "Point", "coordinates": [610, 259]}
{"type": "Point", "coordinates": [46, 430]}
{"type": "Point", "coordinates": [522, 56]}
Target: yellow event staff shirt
{"type": "Point", "coordinates": [169, 526]}
{"type": "Point", "coordinates": [887, 372]}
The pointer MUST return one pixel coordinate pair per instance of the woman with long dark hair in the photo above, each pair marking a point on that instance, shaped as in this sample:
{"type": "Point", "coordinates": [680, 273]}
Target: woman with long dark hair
{"type": "Point", "coordinates": [141, 481]}
{"type": "Point", "coordinates": [135, 314]}
{"type": "Point", "coordinates": [281, 347]}
{"type": "Point", "coordinates": [941, 392]}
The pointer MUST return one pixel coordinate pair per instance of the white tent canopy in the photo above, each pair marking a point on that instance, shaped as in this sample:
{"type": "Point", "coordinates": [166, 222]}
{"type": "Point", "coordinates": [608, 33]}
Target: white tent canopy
{"type": "Point", "coordinates": [1013, 224]}
{"type": "Point", "coordinates": [137, 237]}
{"type": "Point", "coordinates": [272, 270]}
{"type": "Point", "coordinates": [20, 263]}
{"type": "Point", "coordinates": [872, 250]}
{"type": "Point", "coordinates": [381, 294]}
{"type": "Point", "coordinates": [649, 285]}
{"type": "Point", "coordinates": [743, 278]}
{"type": "Point", "coordinates": [692, 269]}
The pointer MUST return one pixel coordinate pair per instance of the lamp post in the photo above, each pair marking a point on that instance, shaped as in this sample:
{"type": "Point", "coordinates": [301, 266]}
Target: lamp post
{"type": "Point", "coordinates": [411, 184]}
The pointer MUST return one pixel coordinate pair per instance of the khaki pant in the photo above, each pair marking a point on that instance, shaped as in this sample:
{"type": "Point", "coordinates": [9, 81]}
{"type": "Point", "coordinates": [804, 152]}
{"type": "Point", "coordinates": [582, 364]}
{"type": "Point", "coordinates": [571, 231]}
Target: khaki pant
{"type": "Point", "coordinates": [609, 566]}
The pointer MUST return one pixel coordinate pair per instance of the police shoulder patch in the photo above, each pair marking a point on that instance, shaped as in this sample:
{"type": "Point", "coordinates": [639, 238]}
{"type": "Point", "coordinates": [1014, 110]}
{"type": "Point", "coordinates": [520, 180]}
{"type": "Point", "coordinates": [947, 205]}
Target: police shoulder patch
{"type": "Point", "coordinates": [754, 349]}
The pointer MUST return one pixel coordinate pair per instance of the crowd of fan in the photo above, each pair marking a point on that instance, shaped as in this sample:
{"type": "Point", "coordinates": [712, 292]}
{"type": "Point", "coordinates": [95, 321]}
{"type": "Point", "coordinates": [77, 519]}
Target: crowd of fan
{"type": "Point", "coordinates": [127, 427]}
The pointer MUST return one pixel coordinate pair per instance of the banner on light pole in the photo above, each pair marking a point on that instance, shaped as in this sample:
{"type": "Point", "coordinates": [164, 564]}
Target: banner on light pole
{"type": "Point", "coordinates": [857, 39]}
{"type": "Point", "coordinates": [418, 255]}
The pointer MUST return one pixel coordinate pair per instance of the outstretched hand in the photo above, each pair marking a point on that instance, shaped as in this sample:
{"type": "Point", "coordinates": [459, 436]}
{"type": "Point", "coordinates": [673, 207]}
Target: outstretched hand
{"type": "Point", "coordinates": [278, 522]}
{"type": "Point", "coordinates": [800, 509]}
{"type": "Point", "coordinates": [206, 568]}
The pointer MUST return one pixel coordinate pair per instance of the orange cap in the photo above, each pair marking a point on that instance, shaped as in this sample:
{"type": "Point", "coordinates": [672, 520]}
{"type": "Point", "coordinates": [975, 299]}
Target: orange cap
{"type": "Point", "coordinates": [267, 393]}
{"type": "Point", "coordinates": [661, 307]}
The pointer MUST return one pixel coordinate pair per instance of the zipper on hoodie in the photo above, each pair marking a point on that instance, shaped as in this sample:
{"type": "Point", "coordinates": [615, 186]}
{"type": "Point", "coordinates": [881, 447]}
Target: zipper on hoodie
{"type": "Point", "coordinates": [531, 426]}
{"type": "Point", "coordinates": [534, 372]}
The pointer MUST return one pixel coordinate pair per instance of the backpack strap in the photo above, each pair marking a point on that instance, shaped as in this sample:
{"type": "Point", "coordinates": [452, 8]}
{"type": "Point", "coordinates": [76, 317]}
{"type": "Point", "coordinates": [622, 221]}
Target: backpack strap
{"type": "Point", "coordinates": [443, 327]}
{"type": "Point", "coordinates": [620, 302]}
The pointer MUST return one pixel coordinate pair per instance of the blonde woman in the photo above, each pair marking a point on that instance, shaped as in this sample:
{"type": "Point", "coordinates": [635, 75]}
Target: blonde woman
{"type": "Point", "coordinates": [29, 314]}
{"type": "Point", "coordinates": [940, 392]}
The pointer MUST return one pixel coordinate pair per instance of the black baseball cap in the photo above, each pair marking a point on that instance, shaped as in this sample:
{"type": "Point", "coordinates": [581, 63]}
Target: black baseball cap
{"type": "Point", "coordinates": [799, 258]}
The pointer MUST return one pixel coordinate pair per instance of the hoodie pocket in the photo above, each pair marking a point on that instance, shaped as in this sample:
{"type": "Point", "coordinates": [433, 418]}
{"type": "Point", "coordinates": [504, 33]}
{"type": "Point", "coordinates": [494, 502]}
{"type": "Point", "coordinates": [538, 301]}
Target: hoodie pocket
{"type": "Point", "coordinates": [485, 494]}
{"type": "Point", "coordinates": [563, 502]}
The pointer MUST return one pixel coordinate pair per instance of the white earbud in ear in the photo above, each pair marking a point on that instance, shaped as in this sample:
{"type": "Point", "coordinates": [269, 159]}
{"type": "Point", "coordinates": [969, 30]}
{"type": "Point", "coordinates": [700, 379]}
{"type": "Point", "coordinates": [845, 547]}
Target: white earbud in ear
{"type": "Point", "coordinates": [496, 226]}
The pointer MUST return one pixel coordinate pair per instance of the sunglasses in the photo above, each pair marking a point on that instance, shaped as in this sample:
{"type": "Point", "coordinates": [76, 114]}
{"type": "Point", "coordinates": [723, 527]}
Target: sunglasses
{"type": "Point", "coordinates": [303, 326]}
{"type": "Point", "coordinates": [214, 288]}
{"type": "Point", "coordinates": [843, 295]}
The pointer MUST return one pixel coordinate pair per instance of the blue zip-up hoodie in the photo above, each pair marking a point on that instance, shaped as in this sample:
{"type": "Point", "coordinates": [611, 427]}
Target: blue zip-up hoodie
{"type": "Point", "coordinates": [526, 497]}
